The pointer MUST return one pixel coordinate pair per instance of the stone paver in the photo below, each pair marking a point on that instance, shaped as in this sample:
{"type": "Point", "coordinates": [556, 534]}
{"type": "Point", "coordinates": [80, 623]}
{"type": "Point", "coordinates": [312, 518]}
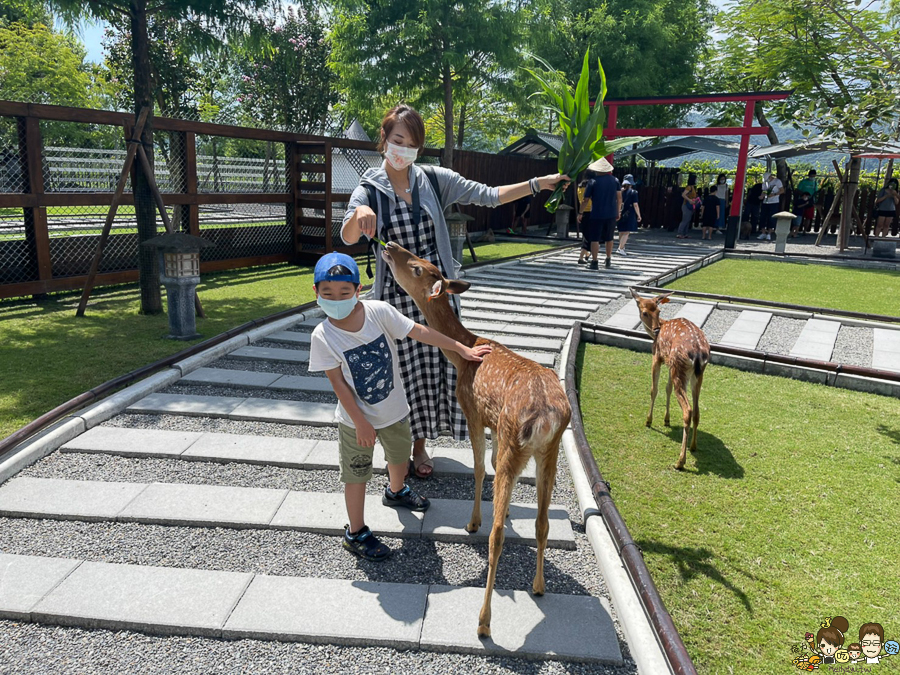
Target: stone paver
{"type": "Point", "coordinates": [493, 282]}
{"type": "Point", "coordinates": [524, 309]}
{"type": "Point", "coordinates": [267, 450]}
{"type": "Point", "coordinates": [543, 358]}
{"type": "Point", "coordinates": [25, 579]}
{"type": "Point", "coordinates": [524, 298]}
{"type": "Point", "coordinates": [492, 327]}
{"type": "Point", "coordinates": [571, 627]}
{"type": "Point", "coordinates": [886, 352]}
{"type": "Point", "coordinates": [133, 442]}
{"type": "Point", "coordinates": [747, 329]}
{"type": "Point", "coordinates": [289, 337]}
{"type": "Point", "coordinates": [225, 377]}
{"type": "Point", "coordinates": [136, 597]}
{"type": "Point", "coordinates": [527, 319]}
{"type": "Point", "coordinates": [181, 404]}
{"type": "Point", "coordinates": [330, 610]}
{"type": "Point", "coordinates": [62, 499]}
{"type": "Point", "coordinates": [302, 383]}
{"type": "Point", "coordinates": [447, 518]}
{"type": "Point", "coordinates": [270, 354]}
{"type": "Point", "coordinates": [695, 312]}
{"type": "Point", "coordinates": [290, 412]}
{"type": "Point", "coordinates": [326, 513]}
{"type": "Point", "coordinates": [204, 505]}
{"type": "Point", "coordinates": [628, 317]}
{"type": "Point", "coordinates": [816, 340]}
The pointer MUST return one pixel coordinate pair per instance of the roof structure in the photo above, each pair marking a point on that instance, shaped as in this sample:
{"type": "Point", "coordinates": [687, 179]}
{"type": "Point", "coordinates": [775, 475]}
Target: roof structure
{"type": "Point", "coordinates": [677, 147]}
{"type": "Point", "coordinates": [819, 144]}
{"type": "Point", "coordinates": [535, 144]}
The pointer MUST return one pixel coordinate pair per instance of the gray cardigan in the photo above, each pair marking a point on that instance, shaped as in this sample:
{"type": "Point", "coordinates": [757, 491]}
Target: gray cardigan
{"type": "Point", "coordinates": [454, 190]}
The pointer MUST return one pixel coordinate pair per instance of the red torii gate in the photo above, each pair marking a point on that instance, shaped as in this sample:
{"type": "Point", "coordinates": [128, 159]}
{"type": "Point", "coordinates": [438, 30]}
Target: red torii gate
{"type": "Point", "coordinates": [749, 99]}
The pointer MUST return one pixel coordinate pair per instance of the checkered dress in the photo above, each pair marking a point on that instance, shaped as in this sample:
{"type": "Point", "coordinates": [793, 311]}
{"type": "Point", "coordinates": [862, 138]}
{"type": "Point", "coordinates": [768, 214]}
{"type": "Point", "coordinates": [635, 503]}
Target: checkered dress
{"type": "Point", "coordinates": [423, 368]}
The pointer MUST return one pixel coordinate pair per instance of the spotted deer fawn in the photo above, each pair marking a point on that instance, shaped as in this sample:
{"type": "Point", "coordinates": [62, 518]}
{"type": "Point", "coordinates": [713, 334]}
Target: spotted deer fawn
{"type": "Point", "coordinates": [521, 402]}
{"type": "Point", "coordinates": [682, 346]}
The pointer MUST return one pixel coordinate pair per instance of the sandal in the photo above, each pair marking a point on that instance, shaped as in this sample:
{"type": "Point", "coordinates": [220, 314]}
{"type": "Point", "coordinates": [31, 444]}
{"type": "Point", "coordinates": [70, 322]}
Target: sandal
{"type": "Point", "coordinates": [416, 470]}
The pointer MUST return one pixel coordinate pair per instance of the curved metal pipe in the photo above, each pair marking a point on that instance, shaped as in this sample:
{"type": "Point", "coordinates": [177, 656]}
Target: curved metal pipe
{"type": "Point", "coordinates": [630, 553]}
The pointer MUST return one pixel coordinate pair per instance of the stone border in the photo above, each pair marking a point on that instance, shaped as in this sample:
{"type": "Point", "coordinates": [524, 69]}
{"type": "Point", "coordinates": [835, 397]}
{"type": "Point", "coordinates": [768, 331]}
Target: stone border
{"type": "Point", "coordinates": [646, 651]}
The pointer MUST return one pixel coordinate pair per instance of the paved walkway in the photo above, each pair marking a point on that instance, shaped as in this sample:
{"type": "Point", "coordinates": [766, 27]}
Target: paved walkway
{"type": "Point", "coordinates": [528, 305]}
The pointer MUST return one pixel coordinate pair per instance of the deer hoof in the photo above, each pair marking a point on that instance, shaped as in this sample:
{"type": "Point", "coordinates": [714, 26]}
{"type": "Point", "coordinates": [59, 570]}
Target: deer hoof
{"type": "Point", "coordinates": [666, 422]}
{"type": "Point", "coordinates": [649, 422]}
{"type": "Point", "coordinates": [472, 528]}
{"type": "Point", "coordinates": [538, 589]}
{"type": "Point", "coordinates": [484, 631]}
{"type": "Point", "coordinates": [679, 467]}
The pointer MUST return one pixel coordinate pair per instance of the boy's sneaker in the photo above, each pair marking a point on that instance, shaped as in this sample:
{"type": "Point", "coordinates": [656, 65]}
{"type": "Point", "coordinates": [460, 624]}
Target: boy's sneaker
{"type": "Point", "coordinates": [407, 498]}
{"type": "Point", "coordinates": [593, 265]}
{"type": "Point", "coordinates": [364, 544]}
{"type": "Point", "coordinates": [582, 261]}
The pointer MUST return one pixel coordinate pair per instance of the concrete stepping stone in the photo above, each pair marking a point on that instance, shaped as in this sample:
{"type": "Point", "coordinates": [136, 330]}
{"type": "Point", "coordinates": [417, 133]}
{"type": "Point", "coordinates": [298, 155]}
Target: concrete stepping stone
{"type": "Point", "coordinates": [544, 358]}
{"type": "Point", "coordinates": [570, 627]}
{"type": "Point", "coordinates": [136, 597]}
{"type": "Point", "coordinates": [183, 404]}
{"type": "Point", "coordinates": [529, 319]}
{"type": "Point", "coordinates": [26, 579]}
{"type": "Point", "coordinates": [516, 308]}
{"type": "Point", "coordinates": [817, 340]}
{"type": "Point", "coordinates": [302, 383]}
{"type": "Point", "coordinates": [26, 497]}
{"type": "Point", "coordinates": [385, 614]}
{"type": "Point", "coordinates": [498, 327]}
{"type": "Point", "coordinates": [695, 312]}
{"type": "Point", "coordinates": [262, 508]}
{"type": "Point", "coordinates": [492, 282]}
{"type": "Point", "coordinates": [133, 442]}
{"type": "Point", "coordinates": [886, 349]}
{"type": "Point", "coordinates": [289, 337]}
{"type": "Point", "coordinates": [513, 289]}
{"type": "Point", "coordinates": [204, 506]}
{"type": "Point", "coordinates": [527, 299]}
{"type": "Point", "coordinates": [230, 378]}
{"type": "Point", "coordinates": [230, 407]}
{"type": "Point", "coordinates": [522, 341]}
{"type": "Point", "coordinates": [251, 449]}
{"type": "Point", "coordinates": [628, 317]}
{"type": "Point", "coordinates": [270, 354]}
{"type": "Point", "coordinates": [746, 331]}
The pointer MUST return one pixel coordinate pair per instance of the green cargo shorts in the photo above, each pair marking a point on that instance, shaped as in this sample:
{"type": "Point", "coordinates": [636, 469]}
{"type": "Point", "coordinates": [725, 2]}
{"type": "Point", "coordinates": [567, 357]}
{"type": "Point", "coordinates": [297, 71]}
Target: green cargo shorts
{"type": "Point", "coordinates": [356, 461]}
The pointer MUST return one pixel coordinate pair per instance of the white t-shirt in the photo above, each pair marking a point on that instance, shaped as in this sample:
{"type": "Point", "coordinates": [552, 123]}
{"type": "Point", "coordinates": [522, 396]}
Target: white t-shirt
{"type": "Point", "coordinates": [368, 361]}
{"type": "Point", "coordinates": [774, 185]}
{"type": "Point", "coordinates": [722, 191]}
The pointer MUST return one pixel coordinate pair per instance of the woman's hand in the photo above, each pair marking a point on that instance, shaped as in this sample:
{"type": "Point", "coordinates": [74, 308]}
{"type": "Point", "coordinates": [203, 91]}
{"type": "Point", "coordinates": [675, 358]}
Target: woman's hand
{"type": "Point", "coordinates": [549, 182]}
{"type": "Point", "coordinates": [366, 220]}
{"type": "Point", "coordinates": [476, 353]}
{"type": "Point", "coordinates": [578, 218]}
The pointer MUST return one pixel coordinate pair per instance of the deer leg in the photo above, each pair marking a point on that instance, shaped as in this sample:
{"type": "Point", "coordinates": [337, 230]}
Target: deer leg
{"type": "Point", "coordinates": [668, 399]}
{"type": "Point", "coordinates": [681, 395]}
{"type": "Point", "coordinates": [503, 483]}
{"type": "Point", "coordinates": [695, 391]}
{"type": "Point", "coordinates": [654, 388]}
{"type": "Point", "coordinates": [546, 474]}
{"type": "Point", "coordinates": [476, 435]}
{"type": "Point", "coordinates": [494, 446]}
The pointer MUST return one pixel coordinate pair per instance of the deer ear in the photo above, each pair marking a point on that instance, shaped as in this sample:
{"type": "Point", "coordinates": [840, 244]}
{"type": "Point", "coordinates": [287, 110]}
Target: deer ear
{"type": "Point", "coordinates": [457, 286]}
{"type": "Point", "coordinates": [436, 290]}
{"type": "Point", "coordinates": [663, 299]}
{"type": "Point", "coordinates": [634, 294]}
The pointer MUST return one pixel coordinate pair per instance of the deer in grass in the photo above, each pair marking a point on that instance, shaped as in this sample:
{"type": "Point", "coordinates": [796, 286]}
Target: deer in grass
{"type": "Point", "coordinates": [521, 402]}
{"type": "Point", "coordinates": [682, 346]}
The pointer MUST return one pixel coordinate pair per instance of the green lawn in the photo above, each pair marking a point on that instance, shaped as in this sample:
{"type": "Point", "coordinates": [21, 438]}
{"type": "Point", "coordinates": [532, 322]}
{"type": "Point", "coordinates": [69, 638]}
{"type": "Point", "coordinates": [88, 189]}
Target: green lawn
{"type": "Point", "coordinates": [787, 514]}
{"type": "Point", "coordinates": [48, 356]}
{"type": "Point", "coordinates": [872, 291]}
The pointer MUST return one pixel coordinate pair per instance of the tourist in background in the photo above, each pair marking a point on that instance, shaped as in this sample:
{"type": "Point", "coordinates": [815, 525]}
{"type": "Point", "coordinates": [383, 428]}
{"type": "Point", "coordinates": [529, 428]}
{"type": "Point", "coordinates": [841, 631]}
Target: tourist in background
{"type": "Point", "coordinates": [709, 213]}
{"type": "Point", "coordinates": [722, 194]}
{"type": "Point", "coordinates": [886, 202]}
{"type": "Point", "coordinates": [752, 205]}
{"type": "Point", "coordinates": [772, 189]}
{"type": "Point", "coordinates": [584, 206]}
{"type": "Point", "coordinates": [690, 202]}
{"type": "Point", "coordinates": [810, 185]}
{"type": "Point", "coordinates": [631, 213]}
{"type": "Point", "coordinates": [606, 208]}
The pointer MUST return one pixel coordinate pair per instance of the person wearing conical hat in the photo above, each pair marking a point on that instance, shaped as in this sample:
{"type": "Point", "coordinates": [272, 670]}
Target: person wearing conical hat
{"type": "Point", "coordinates": [605, 194]}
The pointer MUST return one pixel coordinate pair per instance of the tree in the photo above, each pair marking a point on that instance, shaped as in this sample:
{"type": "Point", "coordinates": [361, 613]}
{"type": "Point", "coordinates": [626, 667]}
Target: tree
{"type": "Point", "coordinates": [289, 85]}
{"type": "Point", "coordinates": [28, 12]}
{"type": "Point", "coordinates": [648, 48]}
{"type": "Point", "coordinates": [212, 20]}
{"type": "Point", "coordinates": [424, 51]}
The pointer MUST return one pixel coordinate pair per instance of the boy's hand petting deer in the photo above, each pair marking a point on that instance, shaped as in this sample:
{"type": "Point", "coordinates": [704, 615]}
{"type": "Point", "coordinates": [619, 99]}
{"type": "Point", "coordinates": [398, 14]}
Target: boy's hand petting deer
{"type": "Point", "coordinates": [682, 346]}
{"type": "Point", "coordinates": [521, 402]}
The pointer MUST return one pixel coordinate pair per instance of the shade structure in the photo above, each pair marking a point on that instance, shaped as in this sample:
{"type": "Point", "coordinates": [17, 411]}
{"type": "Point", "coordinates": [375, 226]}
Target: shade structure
{"type": "Point", "coordinates": [677, 147]}
{"type": "Point", "coordinates": [535, 144]}
{"type": "Point", "coordinates": [815, 145]}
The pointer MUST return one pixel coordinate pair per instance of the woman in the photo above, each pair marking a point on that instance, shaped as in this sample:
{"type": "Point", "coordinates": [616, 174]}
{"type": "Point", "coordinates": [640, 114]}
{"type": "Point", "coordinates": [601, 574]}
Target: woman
{"type": "Point", "coordinates": [631, 213]}
{"type": "Point", "coordinates": [584, 206]}
{"type": "Point", "coordinates": [722, 194]}
{"type": "Point", "coordinates": [886, 207]}
{"type": "Point", "coordinates": [410, 214]}
{"type": "Point", "coordinates": [689, 201]}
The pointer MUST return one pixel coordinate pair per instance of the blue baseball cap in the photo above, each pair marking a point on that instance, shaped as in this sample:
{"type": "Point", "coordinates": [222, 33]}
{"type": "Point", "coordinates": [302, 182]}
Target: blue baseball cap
{"type": "Point", "coordinates": [330, 260]}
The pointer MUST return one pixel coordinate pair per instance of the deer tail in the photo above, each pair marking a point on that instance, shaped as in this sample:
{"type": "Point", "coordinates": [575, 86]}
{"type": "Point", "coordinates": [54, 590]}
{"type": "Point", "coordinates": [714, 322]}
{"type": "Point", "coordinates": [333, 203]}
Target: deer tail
{"type": "Point", "coordinates": [700, 361]}
{"type": "Point", "coordinates": [541, 425]}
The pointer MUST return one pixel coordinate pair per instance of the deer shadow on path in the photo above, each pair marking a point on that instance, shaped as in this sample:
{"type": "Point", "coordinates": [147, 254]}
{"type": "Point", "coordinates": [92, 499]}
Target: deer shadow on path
{"type": "Point", "coordinates": [712, 456]}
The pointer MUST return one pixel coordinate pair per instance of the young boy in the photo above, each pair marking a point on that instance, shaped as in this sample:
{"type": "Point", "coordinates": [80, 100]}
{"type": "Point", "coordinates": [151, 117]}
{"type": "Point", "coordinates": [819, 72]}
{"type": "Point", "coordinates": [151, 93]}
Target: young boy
{"type": "Point", "coordinates": [709, 213]}
{"type": "Point", "coordinates": [355, 347]}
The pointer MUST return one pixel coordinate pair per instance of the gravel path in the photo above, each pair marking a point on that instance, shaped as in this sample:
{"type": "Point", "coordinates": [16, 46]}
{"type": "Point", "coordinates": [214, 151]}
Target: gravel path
{"type": "Point", "coordinates": [781, 335]}
{"type": "Point", "coordinates": [854, 346]}
{"type": "Point", "coordinates": [718, 323]}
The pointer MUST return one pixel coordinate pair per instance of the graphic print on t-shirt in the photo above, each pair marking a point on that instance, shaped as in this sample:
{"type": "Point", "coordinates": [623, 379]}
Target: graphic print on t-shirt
{"type": "Point", "coordinates": [372, 369]}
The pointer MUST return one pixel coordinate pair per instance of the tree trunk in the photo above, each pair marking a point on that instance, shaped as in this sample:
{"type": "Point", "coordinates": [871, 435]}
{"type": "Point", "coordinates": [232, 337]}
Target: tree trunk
{"type": "Point", "coordinates": [462, 126]}
{"type": "Point", "coordinates": [781, 167]}
{"type": "Point", "coordinates": [144, 206]}
{"type": "Point", "coordinates": [447, 157]}
{"type": "Point", "coordinates": [847, 200]}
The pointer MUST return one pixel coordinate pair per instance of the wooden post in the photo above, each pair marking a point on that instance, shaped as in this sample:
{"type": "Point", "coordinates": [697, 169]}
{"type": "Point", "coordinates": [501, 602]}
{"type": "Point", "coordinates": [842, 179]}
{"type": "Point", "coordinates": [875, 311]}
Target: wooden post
{"type": "Point", "coordinates": [133, 144]}
{"type": "Point", "coordinates": [37, 235]}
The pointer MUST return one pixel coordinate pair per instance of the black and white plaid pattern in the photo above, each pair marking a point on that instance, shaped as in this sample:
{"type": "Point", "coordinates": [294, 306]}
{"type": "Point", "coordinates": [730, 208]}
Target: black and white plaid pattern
{"type": "Point", "coordinates": [423, 368]}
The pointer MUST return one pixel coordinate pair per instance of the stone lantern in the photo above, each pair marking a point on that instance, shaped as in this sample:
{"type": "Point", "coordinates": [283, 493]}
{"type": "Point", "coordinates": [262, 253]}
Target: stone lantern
{"type": "Point", "coordinates": [179, 272]}
{"type": "Point", "coordinates": [783, 222]}
{"type": "Point", "coordinates": [562, 221]}
{"type": "Point", "coordinates": [458, 225]}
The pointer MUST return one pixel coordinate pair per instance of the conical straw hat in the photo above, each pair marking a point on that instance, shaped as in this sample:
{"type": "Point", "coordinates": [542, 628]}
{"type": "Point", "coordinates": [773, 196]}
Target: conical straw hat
{"type": "Point", "coordinates": [601, 166]}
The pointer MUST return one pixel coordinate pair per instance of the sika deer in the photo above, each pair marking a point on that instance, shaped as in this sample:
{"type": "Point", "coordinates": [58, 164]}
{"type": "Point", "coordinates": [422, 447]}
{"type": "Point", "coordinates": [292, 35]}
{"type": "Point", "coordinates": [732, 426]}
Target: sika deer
{"type": "Point", "coordinates": [521, 402]}
{"type": "Point", "coordinates": [682, 346]}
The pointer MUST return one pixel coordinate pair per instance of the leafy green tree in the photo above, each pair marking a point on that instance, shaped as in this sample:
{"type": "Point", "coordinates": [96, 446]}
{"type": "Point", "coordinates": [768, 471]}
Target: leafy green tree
{"type": "Point", "coordinates": [28, 12]}
{"type": "Point", "coordinates": [212, 20]}
{"type": "Point", "coordinates": [426, 52]}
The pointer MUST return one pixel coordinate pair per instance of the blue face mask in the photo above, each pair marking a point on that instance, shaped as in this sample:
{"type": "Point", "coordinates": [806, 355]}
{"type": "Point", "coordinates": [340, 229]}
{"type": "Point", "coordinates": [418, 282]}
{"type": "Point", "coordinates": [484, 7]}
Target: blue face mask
{"type": "Point", "coordinates": [337, 309]}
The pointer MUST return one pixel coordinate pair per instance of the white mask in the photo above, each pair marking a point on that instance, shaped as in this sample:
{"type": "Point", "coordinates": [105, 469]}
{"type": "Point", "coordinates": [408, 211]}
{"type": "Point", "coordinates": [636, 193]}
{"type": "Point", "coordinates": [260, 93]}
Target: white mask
{"type": "Point", "coordinates": [400, 157]}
